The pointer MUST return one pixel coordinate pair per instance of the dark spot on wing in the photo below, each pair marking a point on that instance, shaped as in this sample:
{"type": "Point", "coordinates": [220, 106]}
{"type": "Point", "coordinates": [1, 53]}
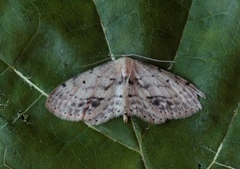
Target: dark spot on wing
{"type": "Point", "coordinates": [187, 83]}
{"type": "Point", "coordinates": [80, 104]}
{"type": "Point", "coordinates": [155, 102]}
{"type": "Point", "coordinates": [84, 81]}
{"type": "Point", "coordinates": [130, 82]}
{"type": "Point", "coordinates": [73, 104]}
{"type": "Point", "coordinates": [63, 84]}
{"type": "Point", "coordinates": [169, 103]}
{"type": "Point", "coordinates": [92, 98]}
{"type": "Point", "coordinates": [96, 102]}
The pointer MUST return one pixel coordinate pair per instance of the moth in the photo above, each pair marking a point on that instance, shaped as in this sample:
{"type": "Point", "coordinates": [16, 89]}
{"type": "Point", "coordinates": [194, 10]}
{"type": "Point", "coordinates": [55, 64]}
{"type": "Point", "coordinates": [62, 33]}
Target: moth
{"type": "Point", "coordinates": [124, 87]}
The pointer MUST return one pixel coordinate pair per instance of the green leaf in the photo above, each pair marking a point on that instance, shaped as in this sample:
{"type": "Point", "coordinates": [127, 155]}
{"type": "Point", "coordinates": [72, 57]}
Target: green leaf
{"type": "Point", "coordinates": [43, 43]}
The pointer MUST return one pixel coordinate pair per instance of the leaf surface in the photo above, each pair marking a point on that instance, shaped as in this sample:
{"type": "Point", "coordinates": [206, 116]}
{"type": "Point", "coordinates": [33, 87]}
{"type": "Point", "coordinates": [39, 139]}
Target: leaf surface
{"type": "Point", "coordinates": [43, 43]}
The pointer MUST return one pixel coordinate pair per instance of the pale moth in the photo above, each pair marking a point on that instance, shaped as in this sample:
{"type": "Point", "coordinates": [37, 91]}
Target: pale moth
{"type": "Point", "coordinates": [124, 87]}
